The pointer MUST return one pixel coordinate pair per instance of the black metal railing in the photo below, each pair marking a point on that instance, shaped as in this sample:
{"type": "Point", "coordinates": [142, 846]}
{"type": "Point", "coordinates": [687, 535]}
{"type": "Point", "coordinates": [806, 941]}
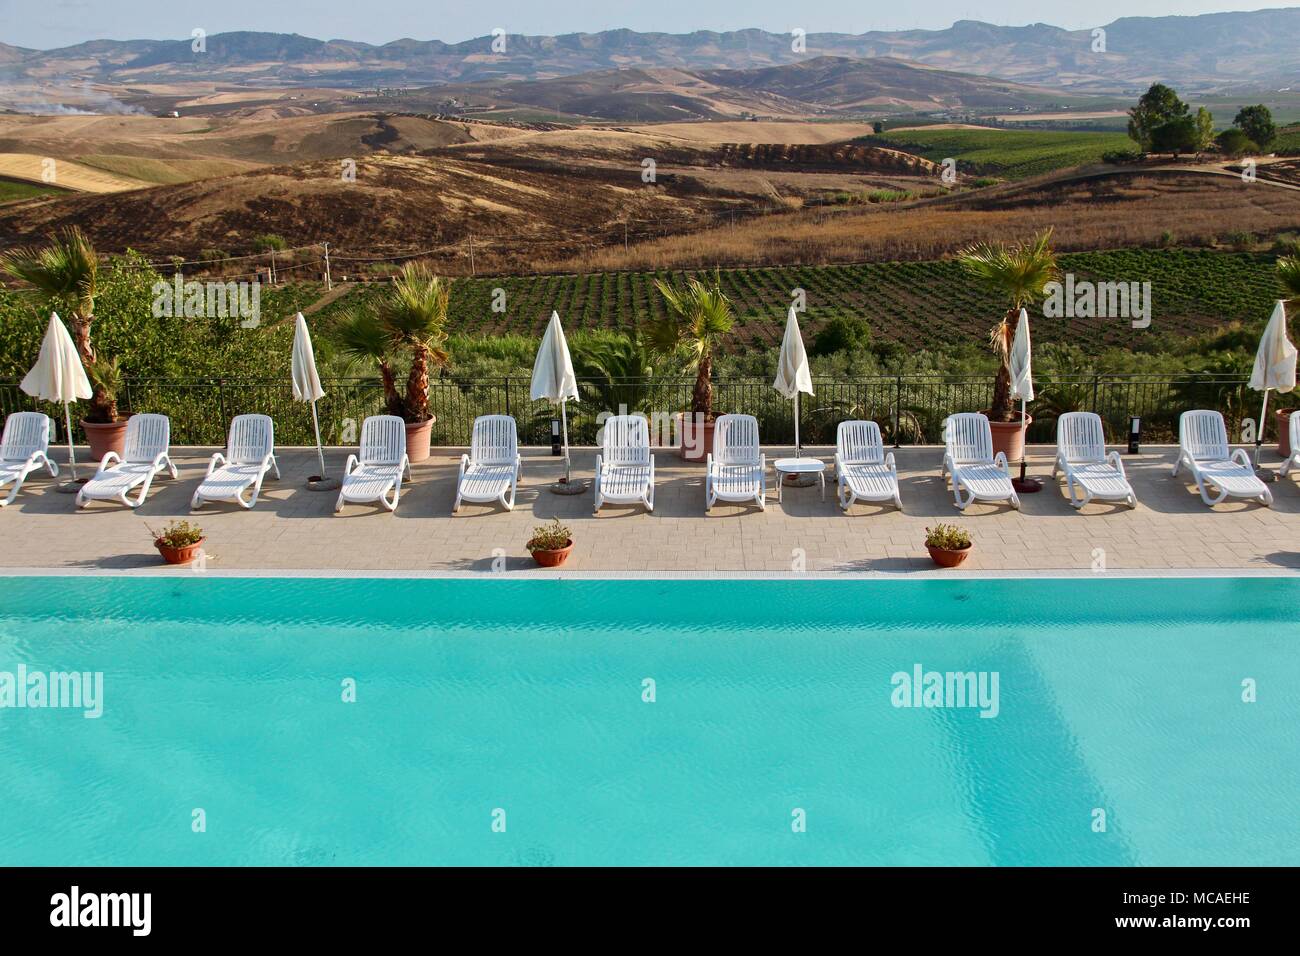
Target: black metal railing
{"type": "Point", "coordinates": [909, 408]}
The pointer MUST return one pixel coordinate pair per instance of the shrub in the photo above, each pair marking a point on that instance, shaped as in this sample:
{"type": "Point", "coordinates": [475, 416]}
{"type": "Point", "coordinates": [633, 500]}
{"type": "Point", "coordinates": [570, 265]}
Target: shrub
{"type": "Point", "coordinates": [1233, 142]}
{"type": "Point", "coordinates": [269, 242]}
{"type": "Point", "coordinates": [1166, 238]}
{"type": "Point", "coordinates": [1118, 156]}
{"type": "Point", "coordinates": [947, 536]}
{"type": "Point", "coordinates": [1240, 241]}
{"type": "Point", "coordinates": [842, 334]}
{"type": "Point", "coordinates": [212, 255]}
{"type": "Point", "coordinates": [550, 537]}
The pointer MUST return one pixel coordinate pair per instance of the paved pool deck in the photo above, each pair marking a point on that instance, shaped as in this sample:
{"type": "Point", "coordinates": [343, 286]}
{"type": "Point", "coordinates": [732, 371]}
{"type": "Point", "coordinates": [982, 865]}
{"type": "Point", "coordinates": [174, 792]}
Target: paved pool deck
{"type": "Point", "coordinates": [295, 529]}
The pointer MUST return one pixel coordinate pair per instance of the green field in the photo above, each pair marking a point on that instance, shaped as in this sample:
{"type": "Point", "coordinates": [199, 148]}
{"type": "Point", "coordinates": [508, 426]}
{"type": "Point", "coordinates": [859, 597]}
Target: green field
{"type": "Point", "coordinates": [13, 190]}
{"type": "Point", "coordinates": [1288, 141]}
{"type": "Point", "coordinates": [928, 305]}
{"type": "Point", "coordinates": [1007, 153]}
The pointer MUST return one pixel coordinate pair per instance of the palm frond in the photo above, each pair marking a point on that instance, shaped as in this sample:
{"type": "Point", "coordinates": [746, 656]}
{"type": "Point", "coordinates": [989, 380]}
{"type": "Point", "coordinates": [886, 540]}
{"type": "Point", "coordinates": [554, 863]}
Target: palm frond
{"type": "Point", "coordinates": [1288, 275]}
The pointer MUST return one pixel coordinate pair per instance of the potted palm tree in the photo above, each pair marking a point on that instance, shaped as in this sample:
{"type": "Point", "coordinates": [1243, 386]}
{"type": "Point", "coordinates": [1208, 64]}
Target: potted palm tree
{"type": "Point", "coordinates": [1288, 275]}
{"type": "Point", "coordinates": [64, 275]}
{"type": "Point", "coordinates": [409, 318]}
{"type": "Point", "coordinates": [1019, 274]}
{"type": "Point", "coordinates": [698, 315]}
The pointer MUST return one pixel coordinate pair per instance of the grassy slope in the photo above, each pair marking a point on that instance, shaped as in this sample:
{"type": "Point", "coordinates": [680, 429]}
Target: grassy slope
{"type": "Point", "coordinates": [11, 191]}
{"type": "Point", "coordinates": [1012, 154]}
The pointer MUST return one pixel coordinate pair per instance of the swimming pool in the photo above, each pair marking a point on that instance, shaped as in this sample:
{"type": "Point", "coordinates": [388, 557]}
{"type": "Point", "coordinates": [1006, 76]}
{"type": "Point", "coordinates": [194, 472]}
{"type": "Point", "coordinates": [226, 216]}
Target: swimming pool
{"type": "Point", "coordinates": [770, 733]}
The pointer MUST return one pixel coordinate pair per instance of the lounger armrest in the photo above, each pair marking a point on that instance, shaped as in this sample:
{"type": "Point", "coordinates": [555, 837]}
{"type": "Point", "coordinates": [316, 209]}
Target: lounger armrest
{"type": "Point", "coordinates": [839, 464]}
{"type": "Point", "coordinates": [349, 464]}
{"type": "Point", "coordinates": [1000, 460]}
{"type": "Point", "coordinates": [266, 461]}
{"type": "Point", "coordinates": [159, 458]}
{"type": "Point", "coordinates": [519, 464]}
{"type": "Point", "coordinates": [890, 463]}
{"type": "Point", "coordinates": [762, 471]}
{"type": "Point", "coordinates": [215, 462]}
{"type": "Point", "coordinates": [1241, 458]}
{"type": "Point", "coordinates": [109, 458]}
{"type": "Point", "coordinates": [599, 464]}
{"type": "Point", "coordinates": [464, 463]}
{"type": "Point", "coordinates": [708, 462]}
{"type": "Point", "coordinates": [652, 468]}
{"type": "Point", "coordinates": [1117, 463]}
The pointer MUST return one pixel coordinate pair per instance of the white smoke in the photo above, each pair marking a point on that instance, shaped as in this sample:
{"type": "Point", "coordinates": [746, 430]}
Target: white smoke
{"type": "Point", "coordinates": [85, 101]}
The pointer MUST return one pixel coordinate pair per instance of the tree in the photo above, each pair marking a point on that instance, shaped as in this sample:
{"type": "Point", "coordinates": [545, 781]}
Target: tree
{"type": "Point", "coordinates": [1233, 142]}
{"type": "Point", "coordinates": [1020, 275]}
{"type": "Point", "coordinates": [1257, 123]}
{"type": "Point", "coordinates": [1288, 276]}
{"type": "Point", "coordinates": [1204, 129]}
{"type": "Point", "coordinates": [1158, 105]}
{"type": "Point", "coordinates": [65, 275]}
{"type": "Point", "coordinates": [410, 317]}
{"type": "Point", "coordinates": [843, 334]}
{"type": "Point", "coordinates": [697, 317]}
{"type": "Point", "coordinates": [1177, 136]}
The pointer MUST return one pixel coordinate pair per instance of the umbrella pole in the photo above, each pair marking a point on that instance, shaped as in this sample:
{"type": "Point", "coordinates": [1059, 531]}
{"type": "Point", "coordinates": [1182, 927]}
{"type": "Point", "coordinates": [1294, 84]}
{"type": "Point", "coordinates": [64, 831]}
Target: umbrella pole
{"type": "Point", "coordinates": [1259, 432]}
{"type": "Point", "coordinates": [320, 452]}
{"type": "Point", "coordinates": [796, 424]}
{"type": "Point", "coordinates": [1024, 434]}
{"type": "Point", "coordinates": [564, 420]}
{"type": "Point", "coordinates": [72, 456]}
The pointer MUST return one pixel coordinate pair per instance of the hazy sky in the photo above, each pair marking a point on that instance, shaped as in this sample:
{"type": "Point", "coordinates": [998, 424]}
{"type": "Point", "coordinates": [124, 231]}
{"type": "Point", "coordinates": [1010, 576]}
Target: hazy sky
{"type": "Point", "coordinates": [50, 23]}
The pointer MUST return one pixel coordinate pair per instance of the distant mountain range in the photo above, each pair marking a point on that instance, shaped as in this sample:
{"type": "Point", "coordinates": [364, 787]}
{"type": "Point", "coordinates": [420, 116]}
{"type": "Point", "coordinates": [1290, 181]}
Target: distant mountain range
{"type": "Point", "coordinates": [821, 85]}
{"type": "Point", "coordinates": [1199, 53]}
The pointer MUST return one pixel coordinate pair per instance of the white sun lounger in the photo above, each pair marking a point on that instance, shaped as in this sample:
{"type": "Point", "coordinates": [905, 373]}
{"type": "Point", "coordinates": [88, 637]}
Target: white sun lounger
{"type": "Point", "coordinates": [145, 454]}
{"type": "Point", "coordinates": [490, 472]}
{"type": "Point", "coordinates": [625, 470]}
{"type": "Point", "coordinates": [862, 469]}
{"type": "Point", "coordinates": [250, 454]}
{"type": "Point", "coordinates": [1293, 432]}
{"type": "Point", "coordinates": [25, 448]}
{"type": "Point", "coordinates": [970, 462]}
{"type": "Point", "coordinates": [1203, 448]}
{"type": "Point", "coordinates": [736, 469]}
{"type": "Point", "coordinates": [1081, 455]}
{"type": "Point", "coordinates": [377, 470]}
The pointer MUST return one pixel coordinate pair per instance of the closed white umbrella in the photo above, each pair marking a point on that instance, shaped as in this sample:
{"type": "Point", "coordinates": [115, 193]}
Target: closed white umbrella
{"type": "Point", "coordinates": [1022, 385]}
{"type": "Point", "coordinates": [792, 373]}
{"type": "Point", "coordinates": [1274, 368]}
{"type": "Point", "coordinates": [554, 378]}
{"type": "Point", "coordinates": [306, 382]}
{"type": "Point", "coordinates": [58, 376]}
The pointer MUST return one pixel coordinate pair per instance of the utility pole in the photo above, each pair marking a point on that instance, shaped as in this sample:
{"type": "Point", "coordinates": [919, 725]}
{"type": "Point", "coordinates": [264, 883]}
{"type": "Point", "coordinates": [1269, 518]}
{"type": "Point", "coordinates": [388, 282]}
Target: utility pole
{"type": "Point", "coordinates": [472, 270]}
{"type": "Point", "coordinates": [272, 266]}
{"type": "Point", "coordinates": [329, 284]}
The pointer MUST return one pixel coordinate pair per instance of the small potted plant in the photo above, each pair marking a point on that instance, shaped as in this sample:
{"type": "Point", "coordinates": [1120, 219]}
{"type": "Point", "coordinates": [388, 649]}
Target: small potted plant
{"type": "Point", "coordinates": [179, 543]}
{"type": "Point", "coordinates": [948, 545]}
{"type": "Point", "coordinates": [550, 544]}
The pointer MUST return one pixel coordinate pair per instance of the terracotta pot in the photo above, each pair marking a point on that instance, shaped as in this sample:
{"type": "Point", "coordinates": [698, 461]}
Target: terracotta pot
{"type": "Point", "coordinates": [417, 439]}
{"type": "Point", "coordinates": [553, 559]}
{"type": "Point", "coordinates": [1284, 431]}
{"type": "Point", "coordinates": [1009, 437]}
{"type": "Point", "coordinates": [694, 436]}
{"type": "Point", "coordinates": [947, 558]}
{"type": "Point", "coordinates": [104, 437]}
{"type": "Point", "coordinates": [180, 555]}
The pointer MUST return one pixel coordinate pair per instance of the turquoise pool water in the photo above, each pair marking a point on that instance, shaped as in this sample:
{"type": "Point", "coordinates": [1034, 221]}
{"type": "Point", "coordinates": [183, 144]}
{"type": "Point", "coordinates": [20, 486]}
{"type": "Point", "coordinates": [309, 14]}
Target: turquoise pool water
{"type": "Point", "coordinates": [770, 698]}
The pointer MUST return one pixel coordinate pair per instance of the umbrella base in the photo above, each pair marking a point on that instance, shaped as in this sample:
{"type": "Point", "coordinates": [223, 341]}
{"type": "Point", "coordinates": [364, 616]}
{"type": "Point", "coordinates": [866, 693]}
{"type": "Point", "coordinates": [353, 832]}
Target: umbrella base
{"type": "Point", "coordinates": [1027, 486]}
{"type": "Point", "coordinates": [71, 487]}
{"type": "Point", "coordinates": [1265, 475]}
{"type": "Point", "coordinates": [574, 486]}
{"type": "Point", "coordinates": [317, 483]}
{"type": "Point", "coordinates": [800, 479]}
